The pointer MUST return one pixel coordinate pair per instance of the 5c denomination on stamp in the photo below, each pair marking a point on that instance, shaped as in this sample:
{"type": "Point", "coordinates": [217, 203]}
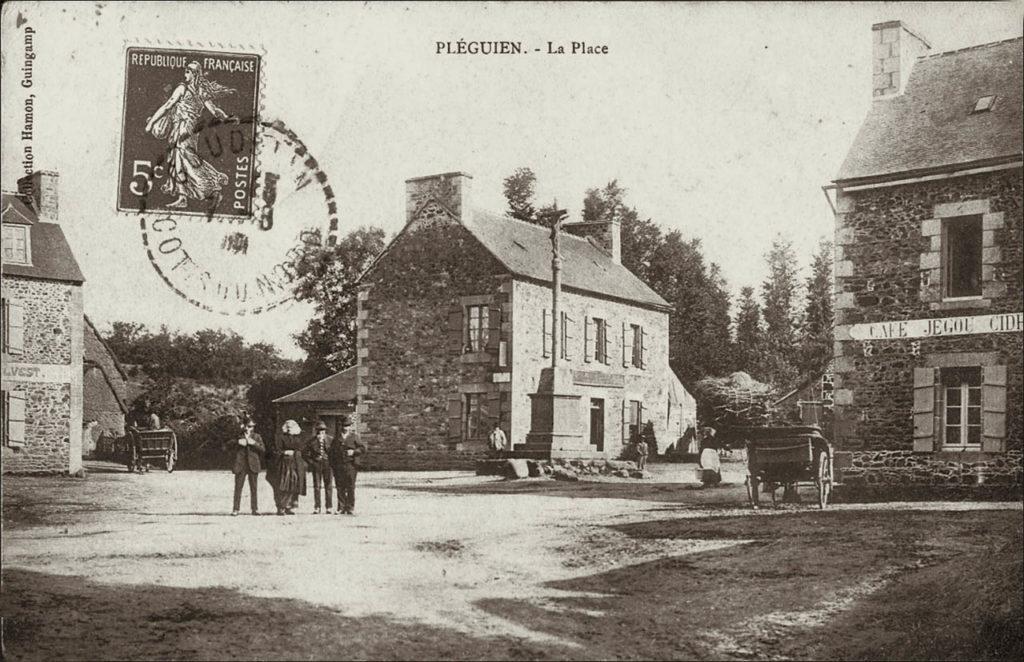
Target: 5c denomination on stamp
{"type": "Point", "coordinates": [183, 148]}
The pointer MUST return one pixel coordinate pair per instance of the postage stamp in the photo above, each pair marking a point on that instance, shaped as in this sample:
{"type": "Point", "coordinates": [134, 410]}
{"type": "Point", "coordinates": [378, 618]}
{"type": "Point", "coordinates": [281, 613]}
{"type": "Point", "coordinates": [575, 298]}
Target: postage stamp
{"type": "Point", "coordinates": [185, 145]}
{"type": "Point", "coordinates": [247, 266]}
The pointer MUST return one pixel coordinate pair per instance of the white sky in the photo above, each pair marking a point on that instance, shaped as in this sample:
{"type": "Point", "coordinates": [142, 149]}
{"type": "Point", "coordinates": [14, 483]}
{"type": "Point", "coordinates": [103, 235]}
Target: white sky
{"type": "Point", "coordinates": [721, 120]}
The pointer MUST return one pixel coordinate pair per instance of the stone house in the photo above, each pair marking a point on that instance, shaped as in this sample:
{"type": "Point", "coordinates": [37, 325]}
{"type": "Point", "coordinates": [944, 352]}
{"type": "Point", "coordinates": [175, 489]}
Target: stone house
{"type": "Point", "coordinates": [455, 327]}
{"type": "Point", "coordinates": [104, 394]}
{"type": "Point", "coordinates": [43, 334]}
{"type": "Point", "coordinates": [327, 400]}
{"type": "Point", "coordinates": [928, 337]}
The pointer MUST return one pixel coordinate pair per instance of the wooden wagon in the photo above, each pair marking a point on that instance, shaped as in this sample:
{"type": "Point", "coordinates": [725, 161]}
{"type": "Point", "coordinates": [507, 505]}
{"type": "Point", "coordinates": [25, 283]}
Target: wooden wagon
{"type": "Point", "coordinates": [145, 446]}
{"type": "Point", "coordinates": [787, 457]}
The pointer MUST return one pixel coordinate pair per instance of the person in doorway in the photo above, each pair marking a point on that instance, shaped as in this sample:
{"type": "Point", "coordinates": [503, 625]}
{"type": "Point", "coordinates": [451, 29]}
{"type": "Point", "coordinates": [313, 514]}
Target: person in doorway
{"type": "Point", "coordinates": [249, 450]}
{"type": "Point", "coordinates": [498, 442]}
{"type": "Point", "coordinates": [345, 456]}
{"type": "Point", "coordinates": [316, 454]}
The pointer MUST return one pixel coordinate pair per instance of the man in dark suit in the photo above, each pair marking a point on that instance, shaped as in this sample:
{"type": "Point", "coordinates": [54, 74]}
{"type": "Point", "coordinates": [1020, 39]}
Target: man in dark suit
{"type": "Point", "coordinates": [249, 450]}
{"type": "Point", "coordinates": [345, 460]}
{"type": "Point", "coordinates": [316, 453]}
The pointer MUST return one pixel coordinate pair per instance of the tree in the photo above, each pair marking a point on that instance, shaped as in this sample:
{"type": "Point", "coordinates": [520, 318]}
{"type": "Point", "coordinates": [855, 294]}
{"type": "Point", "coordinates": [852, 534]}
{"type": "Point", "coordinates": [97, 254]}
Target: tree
{"type": "Point", "coordinates": [640, 238]}
{"type": "Point", "coordinates": [326, 277]}
{"type": "Point", "coordinates": [749, 334]}
{"type": "Point", "coordinates": [816, 340]}
{"type": "Point", "coordinates": [780, 294]}
{"type": "Point", "coordinates": [519, 191]}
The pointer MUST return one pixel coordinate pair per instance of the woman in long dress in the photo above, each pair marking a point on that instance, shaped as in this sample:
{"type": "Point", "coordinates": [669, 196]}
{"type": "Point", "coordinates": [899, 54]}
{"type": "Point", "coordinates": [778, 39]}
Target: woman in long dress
{"type": "Point", "coordinates": [286, 468]}
{"type": "Point", "coordinates": [189, 176]}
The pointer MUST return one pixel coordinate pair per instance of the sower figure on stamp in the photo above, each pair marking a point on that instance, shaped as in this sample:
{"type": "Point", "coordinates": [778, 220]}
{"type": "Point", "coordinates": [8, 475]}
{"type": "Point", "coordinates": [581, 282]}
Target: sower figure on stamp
{"type": "Point", "coordinates": [249, 450]}
{"type": "Point", "coordinates": [345, 459]}
{"type": "Point", "coordinates": [189, 176]}
{"type": "Point", "coordinates": [316, 454]}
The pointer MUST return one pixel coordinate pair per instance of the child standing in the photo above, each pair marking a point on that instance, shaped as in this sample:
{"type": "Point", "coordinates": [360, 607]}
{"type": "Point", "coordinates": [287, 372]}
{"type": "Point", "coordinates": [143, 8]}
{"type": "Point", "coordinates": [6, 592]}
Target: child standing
{"type": "Point", "coordinates": [642, 451]}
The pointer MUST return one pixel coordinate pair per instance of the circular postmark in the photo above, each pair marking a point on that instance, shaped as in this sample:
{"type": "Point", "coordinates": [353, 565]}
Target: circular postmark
{"type": "Point", "coordinates": [244, 265]}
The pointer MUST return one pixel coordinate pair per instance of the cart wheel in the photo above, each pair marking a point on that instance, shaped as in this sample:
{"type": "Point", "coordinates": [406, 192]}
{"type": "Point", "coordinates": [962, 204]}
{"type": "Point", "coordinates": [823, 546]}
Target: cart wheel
{"type": "Point", "coordinates": [824, 480]}
{"type": "Point", "coordinates": [170, 462]}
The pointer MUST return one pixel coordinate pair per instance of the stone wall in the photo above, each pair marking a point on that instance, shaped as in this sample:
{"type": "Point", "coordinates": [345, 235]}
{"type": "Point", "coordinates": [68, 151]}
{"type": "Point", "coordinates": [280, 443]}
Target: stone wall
{"type": "Point", "coordinates": [53, 318]}
{"type": "Point", "coordinates": [649, 385]}
{"type": "Point", "coordinates": [881, 236]}
{"type": "Point", "coordinates": [873, 475]}
{"type": "Point", "coordinates": [413, 372]}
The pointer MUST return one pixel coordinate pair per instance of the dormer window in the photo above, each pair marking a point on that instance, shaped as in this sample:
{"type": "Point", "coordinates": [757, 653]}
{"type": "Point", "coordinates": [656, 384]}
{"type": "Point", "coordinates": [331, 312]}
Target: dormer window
{"type": "Point", "coordinates": [16, 245]}
{"type": "Point", "coordinates": [984, 104]}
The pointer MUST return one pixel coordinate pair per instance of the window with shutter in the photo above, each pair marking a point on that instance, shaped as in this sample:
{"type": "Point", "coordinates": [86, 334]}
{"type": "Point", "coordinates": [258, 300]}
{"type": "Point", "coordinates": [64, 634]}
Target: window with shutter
{"type": "Point", "coordinates": [961, 408]}
{"type": "Point", "coordinates": [14, 429]}
{"type": "Point", "coordinates": [456, 329]}
{"type": "Point", "coordinates": [14, 327]}
{"type": "Point", "coordinates": [474, 415]}
{"type": "Point", "coordinates": [625, 422]}
{"type": "Point", "coordinates": [643, 348]}
{"type": "Point", "coordinates": [567, 336]}
{"type": "Point", "coordinates": [637, 333]}
{"type": "Point", "coordinates": [493, 327]}
{"type": "Point", "coordinates": [476, 328]}
{"type": "Point", "coordinates": [588, 338]}
{"type": "Point", "coordinates": [627, 349]}
{"type": "Point", "coordinates": [600, 340]}
{"type": "Point", "coordinates": [993, 398]}
{"type": "Point", "coordinates": [455, 417]}
{"type": "Point", "coordinates": [924, 409]}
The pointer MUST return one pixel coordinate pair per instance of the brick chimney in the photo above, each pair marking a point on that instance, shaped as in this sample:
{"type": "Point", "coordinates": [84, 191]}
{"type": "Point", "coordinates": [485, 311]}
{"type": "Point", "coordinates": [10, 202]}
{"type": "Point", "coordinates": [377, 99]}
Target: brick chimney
{"type": "Point", "coordinates": [606, 234]}
{"type": "Point", "coordinates": [451, 190]}
{"type": "Point", "coordinates": [40, 188]}
{"type": "Point", "coordinates": [893, 52]}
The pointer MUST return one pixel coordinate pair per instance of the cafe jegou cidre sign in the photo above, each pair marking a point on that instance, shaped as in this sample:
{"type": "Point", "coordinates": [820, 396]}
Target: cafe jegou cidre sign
{"type": "Point", "coordinates": [938, 327]}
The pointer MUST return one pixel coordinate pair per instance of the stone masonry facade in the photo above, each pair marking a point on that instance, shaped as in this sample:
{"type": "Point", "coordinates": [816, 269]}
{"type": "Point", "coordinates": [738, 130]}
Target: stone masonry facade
{"type": "Point", "coordinates": [616, 382]}
{"type": "Point", "coordinates": [889, 267]}
{"type": "Point", "coordinates": [413, 372]}
{"type": "Point", "coordinates": [53, 339]}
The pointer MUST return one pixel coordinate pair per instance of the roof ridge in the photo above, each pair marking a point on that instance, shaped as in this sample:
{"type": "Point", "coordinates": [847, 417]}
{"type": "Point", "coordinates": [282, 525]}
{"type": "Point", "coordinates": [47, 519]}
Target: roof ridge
{"type": "Point", "coordinates": [969, 48]}
{"type": "Point", "coordinates": [506, 217]}
{"type": "Point", "coordinates": [319, 381]}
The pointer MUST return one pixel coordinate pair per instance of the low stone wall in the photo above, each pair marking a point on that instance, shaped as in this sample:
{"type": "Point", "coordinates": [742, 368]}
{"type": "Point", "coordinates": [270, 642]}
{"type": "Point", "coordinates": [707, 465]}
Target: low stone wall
{"type": "Point", "coordinates": [901, 475]}
{"type": "Point", "coordinates": [417, 460]}
{"type": "Point", "coordinates": [560, 469]}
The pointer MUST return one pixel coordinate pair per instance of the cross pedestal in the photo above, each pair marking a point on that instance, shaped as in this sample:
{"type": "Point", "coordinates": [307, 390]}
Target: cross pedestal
{"type": "Point", "coordinates": [555, 426]}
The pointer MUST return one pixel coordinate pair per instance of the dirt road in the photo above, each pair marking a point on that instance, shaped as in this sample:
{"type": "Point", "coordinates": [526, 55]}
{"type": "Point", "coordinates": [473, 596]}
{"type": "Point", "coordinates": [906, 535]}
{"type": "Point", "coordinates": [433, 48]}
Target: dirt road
{"type": "Point", "coordinates": [449, 565]}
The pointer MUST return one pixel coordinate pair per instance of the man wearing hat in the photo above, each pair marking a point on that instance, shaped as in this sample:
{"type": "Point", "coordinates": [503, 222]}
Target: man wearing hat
{"type": "Point", "coordinates": [316, 452]}
{"type": "Point", "coordinates": [345, 455]}
{"type": "Point", "coordinates": [249, 449]}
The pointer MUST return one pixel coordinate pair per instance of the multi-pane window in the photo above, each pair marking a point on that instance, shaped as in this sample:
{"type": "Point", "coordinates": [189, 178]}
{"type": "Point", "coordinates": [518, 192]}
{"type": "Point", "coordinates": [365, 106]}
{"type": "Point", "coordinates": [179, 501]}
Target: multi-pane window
{"type": "Point", "coordinates": [476, 328]}
{"type": "Point", "coordinates": [961, 411]}
{"type": "Point", "coordinates": [962, 256]}
{"type": "Point", "coordinates": [15, 244]}
{"type": "Point", "coordinates": [473, 417]}
{"type": "Point", "coordinates": [600, 340]}
{"type": "Point", "coordinates": [635, 420]}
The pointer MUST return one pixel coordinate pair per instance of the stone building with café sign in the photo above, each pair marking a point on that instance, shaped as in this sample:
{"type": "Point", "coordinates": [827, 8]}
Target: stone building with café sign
{"type": "Point", "coordinates": [928, 338]}
{"type": "Point", "coordinates": [456, 330]}
{"type": "Point", "coordinates": [43, 334]}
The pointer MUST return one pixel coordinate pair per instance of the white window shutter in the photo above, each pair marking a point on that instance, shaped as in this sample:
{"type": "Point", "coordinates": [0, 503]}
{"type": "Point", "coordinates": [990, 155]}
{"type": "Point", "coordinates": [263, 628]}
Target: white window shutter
{"type": "Point", "coordinates": [643, 349]}
{"type": "Point", "coordinates": [567, 336]}
{"type": "Point", "coordinates": [546, 331]}
{"type": "Point", "coordinates": [15, 331]}
{"type": "Point", "coordinates": [588, 339]}
{"type": "Point", "coordinates": [625, 421]}
{"type": "Point", "coordinates": [993, 403]}
{"type": "Point", "coordinates": [15, 418]}
{"type": "Point", "coordinates": [607, 343]}
{"type": "Point", "coordinates": [924, 408]}
{"type": "Point", "coordinates": [627, 350]}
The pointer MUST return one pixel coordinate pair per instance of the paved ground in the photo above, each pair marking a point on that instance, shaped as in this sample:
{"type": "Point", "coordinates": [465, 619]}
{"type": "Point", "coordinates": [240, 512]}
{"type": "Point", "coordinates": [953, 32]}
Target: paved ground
{"type": "Point", "coordinates": [449, 565]}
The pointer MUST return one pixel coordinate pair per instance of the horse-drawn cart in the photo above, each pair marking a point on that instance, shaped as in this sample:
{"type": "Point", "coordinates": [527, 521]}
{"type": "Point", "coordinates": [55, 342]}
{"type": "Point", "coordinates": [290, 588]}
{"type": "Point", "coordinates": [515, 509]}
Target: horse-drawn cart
{"type": "Point", "coordinates": [147, 445]}
{"type": "Point", "coordinates": [786, 457]}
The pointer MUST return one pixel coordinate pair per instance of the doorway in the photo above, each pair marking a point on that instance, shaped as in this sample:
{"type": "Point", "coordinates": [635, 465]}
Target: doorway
{"type": "Point", "coordinates": [597, 423]}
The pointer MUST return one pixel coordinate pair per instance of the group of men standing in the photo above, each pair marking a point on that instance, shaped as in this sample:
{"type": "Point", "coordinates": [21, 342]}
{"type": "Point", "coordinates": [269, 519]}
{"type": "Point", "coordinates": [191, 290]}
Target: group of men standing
{"type": "Point", "coordinates": [333, 461]}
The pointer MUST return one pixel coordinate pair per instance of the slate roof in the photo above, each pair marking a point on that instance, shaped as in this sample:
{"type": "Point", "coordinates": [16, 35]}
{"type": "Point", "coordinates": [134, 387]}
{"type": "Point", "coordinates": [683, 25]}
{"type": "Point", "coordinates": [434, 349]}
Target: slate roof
{"type": "Point", "coordinates": [930, 127]}
{"type": "Point", "coordinates": [52, 258]}
{"type": "Point", "coordinates": [525, 250]}
{"type": "Point", "coordinates": [339, 387]}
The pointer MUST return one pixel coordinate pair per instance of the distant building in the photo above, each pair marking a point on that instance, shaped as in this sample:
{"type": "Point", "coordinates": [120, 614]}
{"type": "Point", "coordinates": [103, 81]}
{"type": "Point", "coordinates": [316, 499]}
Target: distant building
{"type": "Point", "coordinates": [455, 327]}
{"type": "Point", "coordinates": [928, 352]}
{"type": "Point", "coordinates": [42, 334]}
{"type": "Point", "coordinates": [810, 403]}
{"type": "Point", "coordinates": [328, 400]}
{"type": "Point", "coordinates": [104, 394]}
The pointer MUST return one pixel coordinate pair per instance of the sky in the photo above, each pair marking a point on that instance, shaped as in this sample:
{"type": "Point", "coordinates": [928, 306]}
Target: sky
{"type": "Point", "coordinates": [722, 121]}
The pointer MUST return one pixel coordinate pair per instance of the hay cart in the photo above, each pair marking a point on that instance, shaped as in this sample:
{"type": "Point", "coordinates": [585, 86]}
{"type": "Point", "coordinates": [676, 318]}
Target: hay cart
{"type": "Point", "coordinates": [787, 457]}
{"type": "Point", "coordinates": [149, 445]}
